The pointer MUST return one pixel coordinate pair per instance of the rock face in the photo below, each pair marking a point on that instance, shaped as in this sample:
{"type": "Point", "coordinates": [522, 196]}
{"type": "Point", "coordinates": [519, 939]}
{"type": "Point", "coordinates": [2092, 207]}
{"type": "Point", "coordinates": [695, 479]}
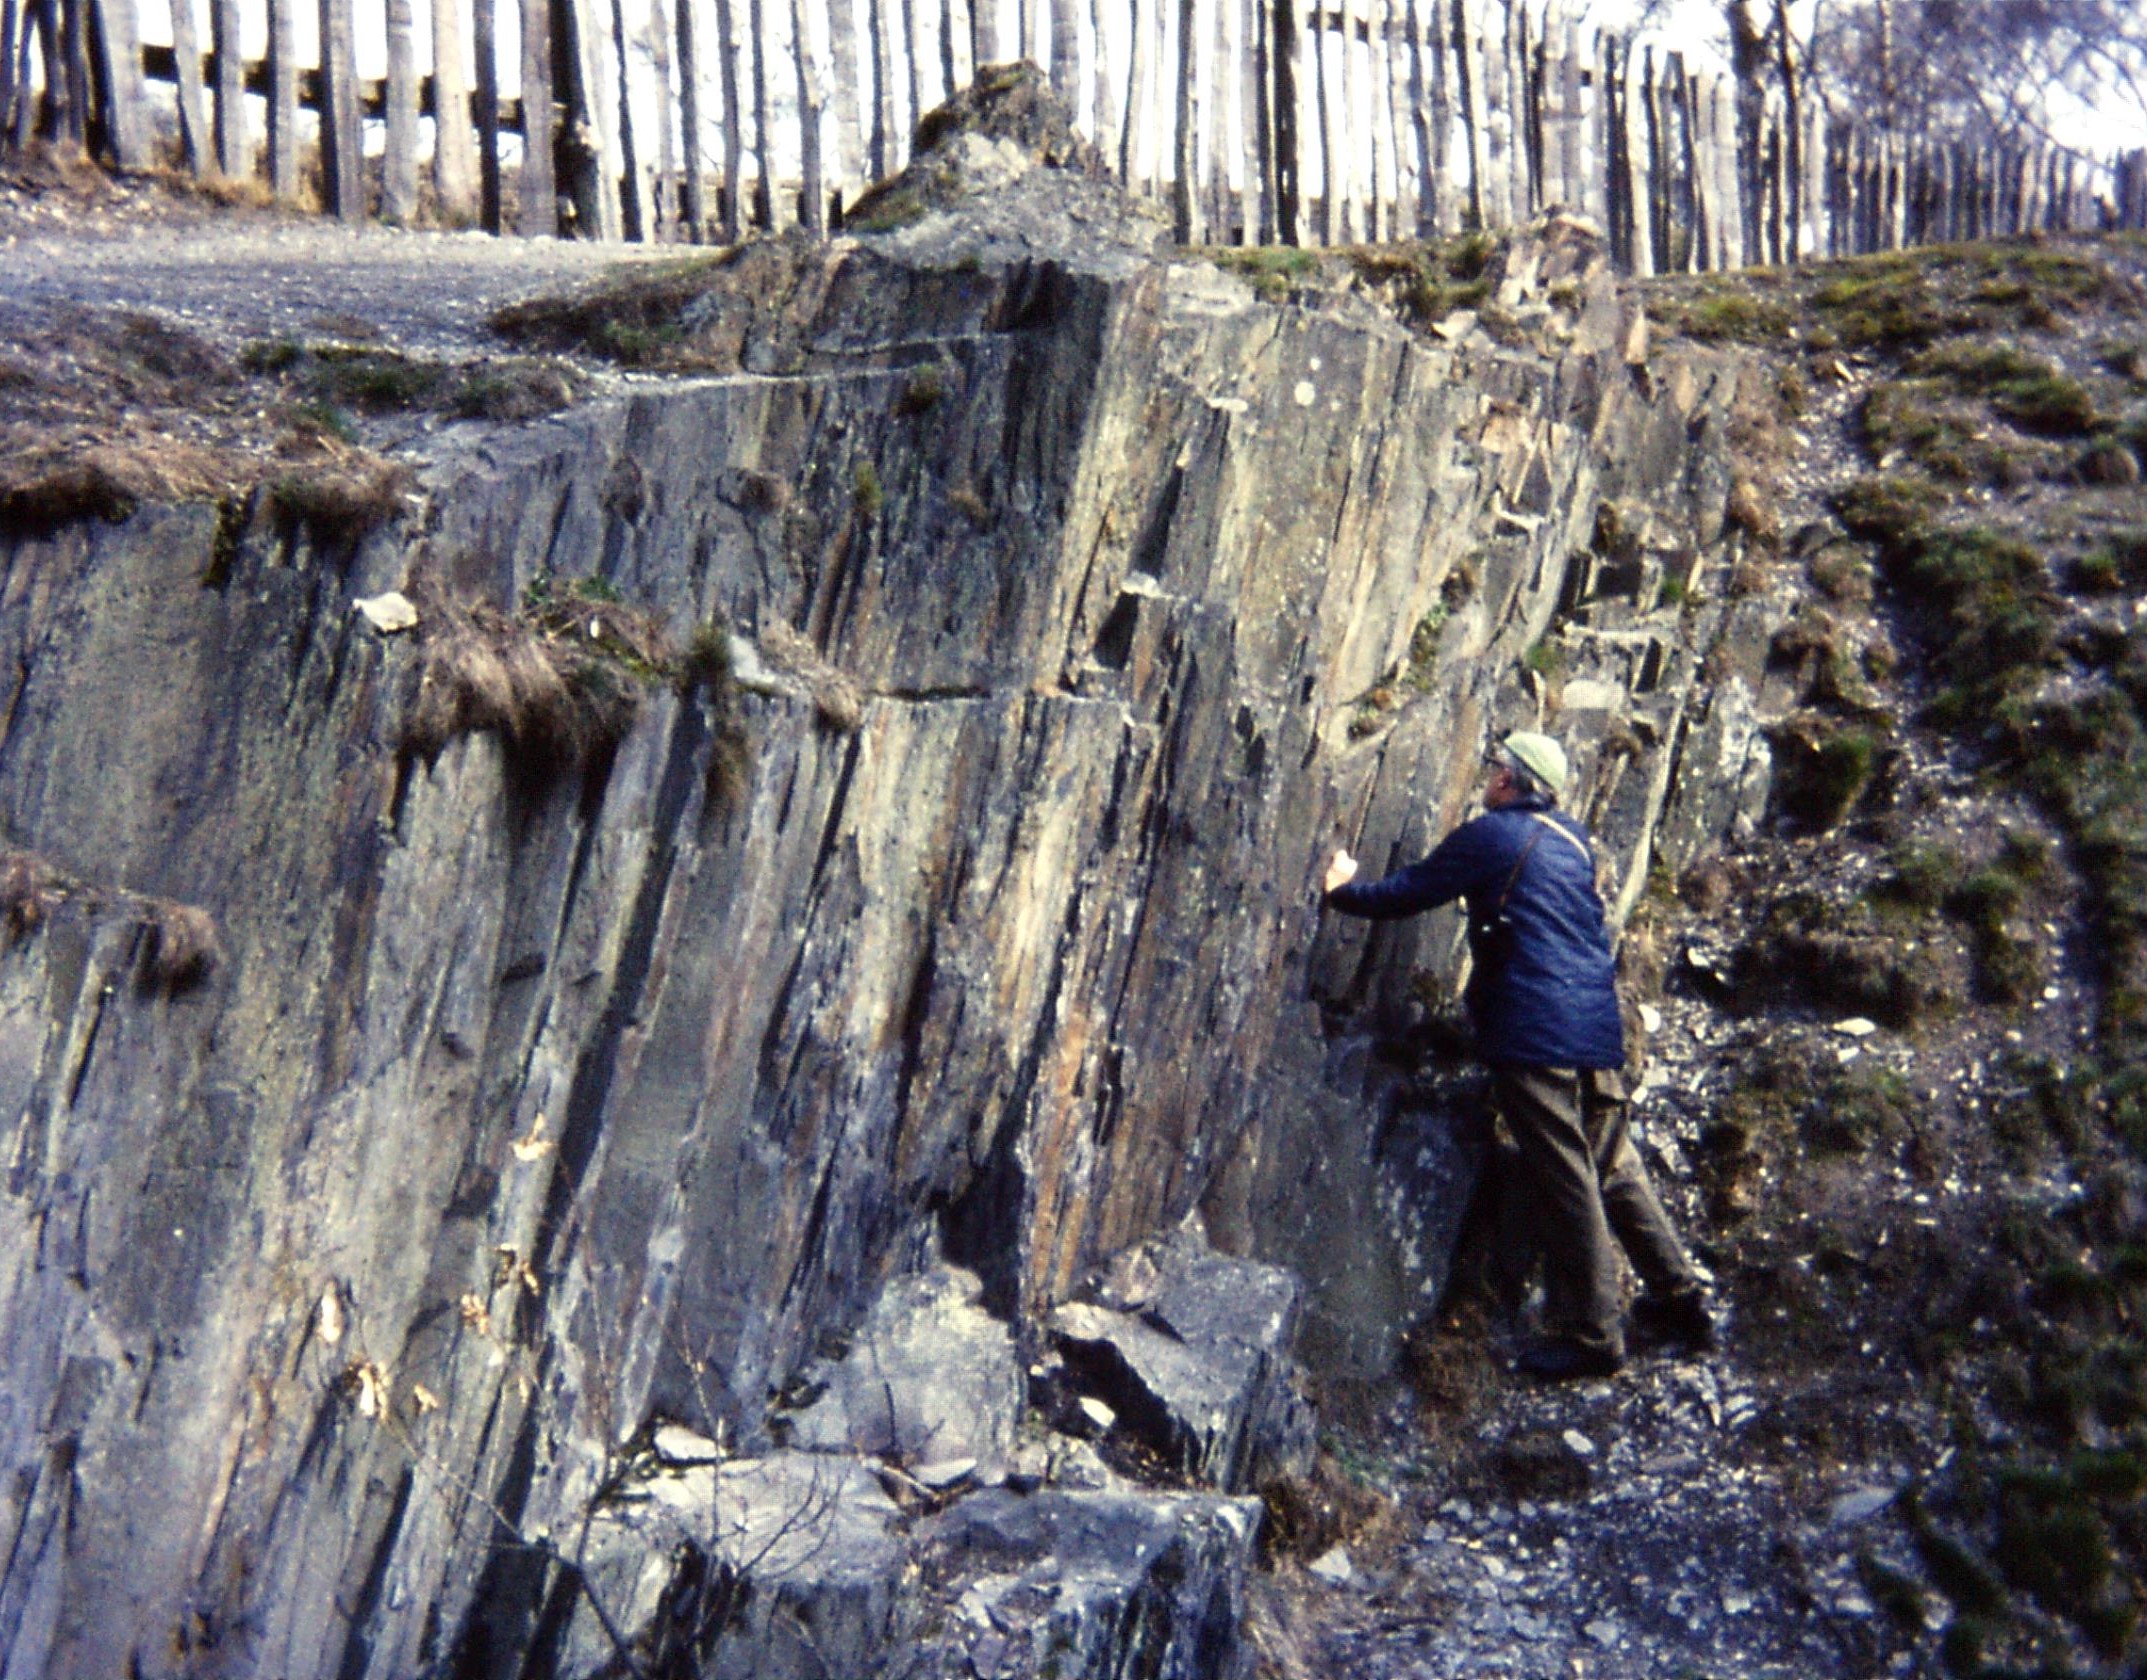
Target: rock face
{"type": "Point", "coordinates": [535, 1093]}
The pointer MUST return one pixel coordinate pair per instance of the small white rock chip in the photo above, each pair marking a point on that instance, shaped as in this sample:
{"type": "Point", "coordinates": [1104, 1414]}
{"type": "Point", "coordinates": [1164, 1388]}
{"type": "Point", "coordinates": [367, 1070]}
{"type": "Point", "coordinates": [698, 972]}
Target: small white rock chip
{"type": "Point", "coordinates": [676, 1444]}
{"type": "Point", "coordinates": [388, 613]}
{"type": "Point", "coordinates": [329, 1320]}
{"type": "Point", "coordinates": [1100, 1416]}
{"type": "Point", "coordinates": [1604, 1633]}
{"type": "Point", "coordinates": [1736, 1603]}
{"type": "Point", "coordinates": [1859, 1504]}
{"type": "Point", "coordinates": [946, 1473]}
{"type": "Point", "coordinates": [1856, 1027]}
{"type": "Point", "coordinates": [1651, 1017]}
{"type": "Point", "coordinates": [1579, 1443]}
{"type": "Point", "coordinates": [1333, 1567]}
{"type": "Point", "coordinates": [1305, 394]}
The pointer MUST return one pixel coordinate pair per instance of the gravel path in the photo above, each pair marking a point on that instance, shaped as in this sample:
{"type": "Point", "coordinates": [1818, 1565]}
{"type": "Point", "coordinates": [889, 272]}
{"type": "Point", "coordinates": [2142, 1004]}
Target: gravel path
{"type": "Point", "coordinates": [234, 275]}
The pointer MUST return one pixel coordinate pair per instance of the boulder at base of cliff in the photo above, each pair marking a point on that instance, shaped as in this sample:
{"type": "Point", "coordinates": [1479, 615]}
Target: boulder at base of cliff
{"type": "Point", "coordinates": [1191, 1350]}
{"type": "Point", "coordinates": [930, 1378]}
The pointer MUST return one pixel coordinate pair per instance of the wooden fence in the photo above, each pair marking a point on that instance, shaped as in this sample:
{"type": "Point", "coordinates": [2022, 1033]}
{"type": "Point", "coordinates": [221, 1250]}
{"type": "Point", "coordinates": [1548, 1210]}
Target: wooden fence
{"type": "Point", "coordinates": [1258, 121]}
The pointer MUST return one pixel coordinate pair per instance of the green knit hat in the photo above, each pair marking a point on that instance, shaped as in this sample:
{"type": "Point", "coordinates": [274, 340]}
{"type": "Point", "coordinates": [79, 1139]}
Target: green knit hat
{"type": "Point", "coordinates": [1539, 755]}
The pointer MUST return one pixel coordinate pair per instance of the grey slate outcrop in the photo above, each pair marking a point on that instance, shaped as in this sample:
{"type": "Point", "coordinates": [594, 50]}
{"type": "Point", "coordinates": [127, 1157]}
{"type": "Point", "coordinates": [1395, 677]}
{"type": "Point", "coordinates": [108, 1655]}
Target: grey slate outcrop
{"type": "Point", "coordinates": [525, 1105]}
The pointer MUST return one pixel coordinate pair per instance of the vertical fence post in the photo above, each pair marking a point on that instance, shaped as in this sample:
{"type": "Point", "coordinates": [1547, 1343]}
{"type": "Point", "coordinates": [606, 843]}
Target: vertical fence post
{"type": "Point", "coordinates": [453, 161]}
{"type": "Point", "coordinates": [1185, 151]}
{"type": "Point", "coordinates": [10, 11]}
{"type": "Point", "coordinates": [118, 75]}
{"type": "Point", "coordinates": [1497, 89]}
{"type": "Point", "coordinates": [484, 49]}
{"type": "Point", "coordinates": [1258, 209]}
{"type": "Point", "coordinates": [72, 81]}
{"type": "Point", "coordinates": [628, 202]}
{"type": "Point", "coordinates": [233, 153]}
{"type": "Point", "coordinates": [342, 185]}
{"type": "Point", "coordinates": [812, 112]}
{"type": "Point", "coordinates": [848, 95]}
{"type": "Point", "coordinates": [663, 198]}
{"type": "Point", "coordinates": [194, 137]}
{"type": "Point", "coordinates": [398, 171]}
{"type": "Point", "coordinates": [1400, 53]}
{"type": "Point", "coordinates": [763, 129]}
{"type": "Point", "coordinates": [732, 192]}
{"type": "Point", "coordinates": [692, 192]}
{"type": "Point", "coordinates": [1102, 82]}
{"type": "Point", "coordinates": [1286, 50]}
{"type": "Point", "coordinates": [537, 185]}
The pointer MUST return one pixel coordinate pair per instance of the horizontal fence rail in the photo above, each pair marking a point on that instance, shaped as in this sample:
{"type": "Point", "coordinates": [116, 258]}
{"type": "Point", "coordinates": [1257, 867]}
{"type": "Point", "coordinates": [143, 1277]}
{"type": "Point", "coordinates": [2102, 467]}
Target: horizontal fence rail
{"type": "Point", "coordinates": [1311, 122]}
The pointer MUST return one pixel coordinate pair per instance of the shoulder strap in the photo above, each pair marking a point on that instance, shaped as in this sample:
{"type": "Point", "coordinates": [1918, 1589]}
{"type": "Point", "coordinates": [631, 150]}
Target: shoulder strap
{"type": "Point", "coordinates": [1520, 863]}
{"type": "Point", "coordinates": [1568, 836]}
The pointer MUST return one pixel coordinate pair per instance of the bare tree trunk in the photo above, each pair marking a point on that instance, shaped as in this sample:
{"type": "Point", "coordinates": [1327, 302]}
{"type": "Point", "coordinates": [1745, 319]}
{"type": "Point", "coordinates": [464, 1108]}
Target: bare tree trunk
{"type": "Point", "coordinates": [1324, 102]}
{"type": "Point", "coordinates": [733, 121]}
{"type": "Point", "coordinates": [849, 89]}
{"type": "Point", "coordinates": [1260, 222]}
{"type": "Point", "coordinates": [453, 161]}
{"type": "Point", "coordinates": [880, 145]}
{"type": "Point", "coordinates": [484, 48]}
{"type": "Point", "coordinates": [636, 214]}
{"type": "Point", "coordinates": [398, 180]}
{"type": "Point", "coordinates": [812, 109]}
{"type": "Point", "coordinates": [37, 24]}
{"type": "Point", "coordinates": [1103, 85]}
{"type": "Point", "coordinates": [912, 74]}
{"type": "Point", "coordinates": [1286, 47]}
{"type": "Point", "coordinates": [71, 78]}
{"type": "Point", "coordinates": [1425, 217]}
{"type": "Point", "coordinates": [664, 206]}
{"type": "Point", "coordinates": [1066, 52]}
{"type": "Point", "coordinates": [1185, 150]}
{"type": "Point", "coordinates": [1465, 79]}
{"type": "Point", "coordinates": [984, 32]}
{"type": "Point", "coordinates": [1792, 129]}
{"type": "Point", "coordinates": [1139, 71]}
{"type": "Point", "coordinates": [538, 185]}
{"type": "Point", "coordinates": [1748, 62]}
{"type": "Point", "coordinates": [194, 137]}
{"type": "Point", "coordinates": [693, 203]}
{"type": "Point", "coordinates": [763, 128]}
{"type": "Point", "coordinates": [583, 176]}
{"type": "Point", "coordinates": [9, 14]}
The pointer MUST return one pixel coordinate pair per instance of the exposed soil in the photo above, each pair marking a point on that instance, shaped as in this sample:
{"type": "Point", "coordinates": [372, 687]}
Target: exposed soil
{"type": "Point", "coordinates": [1891, 1082]}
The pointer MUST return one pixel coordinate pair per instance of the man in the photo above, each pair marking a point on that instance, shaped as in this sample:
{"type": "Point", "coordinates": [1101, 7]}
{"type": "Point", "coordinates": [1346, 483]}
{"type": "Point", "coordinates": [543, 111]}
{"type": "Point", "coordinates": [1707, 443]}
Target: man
{"type": "Point", "coordinates": [1542, 997]}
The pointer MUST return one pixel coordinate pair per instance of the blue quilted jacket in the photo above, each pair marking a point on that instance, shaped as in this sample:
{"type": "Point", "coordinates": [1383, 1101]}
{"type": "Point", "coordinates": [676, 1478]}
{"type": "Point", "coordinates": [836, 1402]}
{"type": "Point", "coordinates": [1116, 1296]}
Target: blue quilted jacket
{"type": "Point", "coordinates": [1542, 983]}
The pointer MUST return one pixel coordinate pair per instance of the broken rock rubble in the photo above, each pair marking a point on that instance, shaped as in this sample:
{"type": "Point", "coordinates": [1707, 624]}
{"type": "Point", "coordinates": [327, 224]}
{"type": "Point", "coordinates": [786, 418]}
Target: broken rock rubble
{"type": "Point", "coordinates": [918, 1523]}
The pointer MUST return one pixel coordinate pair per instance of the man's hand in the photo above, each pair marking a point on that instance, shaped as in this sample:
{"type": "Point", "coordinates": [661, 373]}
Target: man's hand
{"type": "Point", "coordinates": [1341, 871]}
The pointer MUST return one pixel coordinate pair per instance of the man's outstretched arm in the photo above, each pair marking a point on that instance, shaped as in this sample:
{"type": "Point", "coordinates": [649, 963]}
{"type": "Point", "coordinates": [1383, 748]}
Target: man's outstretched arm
{"type": "Point", "coordinates": [1463, 860]}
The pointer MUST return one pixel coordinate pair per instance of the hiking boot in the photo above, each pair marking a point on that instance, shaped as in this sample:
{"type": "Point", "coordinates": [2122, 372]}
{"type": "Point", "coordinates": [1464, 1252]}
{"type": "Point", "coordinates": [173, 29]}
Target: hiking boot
{"type": "Point", "coordinates": [1560, 1359]}
{"type": "Point", "coordinates": [1679, 1321]}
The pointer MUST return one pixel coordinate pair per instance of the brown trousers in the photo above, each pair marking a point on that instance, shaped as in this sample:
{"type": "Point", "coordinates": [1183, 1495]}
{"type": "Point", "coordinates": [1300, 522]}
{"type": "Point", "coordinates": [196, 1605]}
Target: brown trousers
{"type": "Point", "coordinates": [1585, 1185]}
